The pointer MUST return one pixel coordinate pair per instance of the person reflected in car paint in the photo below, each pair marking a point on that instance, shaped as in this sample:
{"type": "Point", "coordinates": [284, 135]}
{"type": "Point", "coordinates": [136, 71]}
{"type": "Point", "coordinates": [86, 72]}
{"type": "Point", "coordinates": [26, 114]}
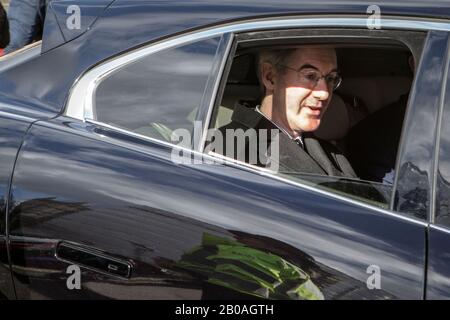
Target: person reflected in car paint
{"type": "Point", "coordinates": [26, 21]}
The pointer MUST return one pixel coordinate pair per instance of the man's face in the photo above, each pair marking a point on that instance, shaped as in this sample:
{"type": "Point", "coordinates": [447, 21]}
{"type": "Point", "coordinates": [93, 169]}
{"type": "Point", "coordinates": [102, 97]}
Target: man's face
{"type": "Point", "coordinates": [299, 106]}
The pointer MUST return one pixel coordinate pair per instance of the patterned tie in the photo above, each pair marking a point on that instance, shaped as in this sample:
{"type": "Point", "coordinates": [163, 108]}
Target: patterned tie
{"type": "Point", "coordinates": [299, 141]}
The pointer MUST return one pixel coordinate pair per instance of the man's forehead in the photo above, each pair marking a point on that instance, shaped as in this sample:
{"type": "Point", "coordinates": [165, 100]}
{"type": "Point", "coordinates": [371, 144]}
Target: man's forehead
{"type": "Point", "coordinates": [320, 57]}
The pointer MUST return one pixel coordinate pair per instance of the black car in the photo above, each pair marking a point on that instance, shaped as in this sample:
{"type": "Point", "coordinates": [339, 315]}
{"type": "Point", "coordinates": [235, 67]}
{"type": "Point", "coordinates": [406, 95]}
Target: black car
{"type": "Point", "coordinates": [94, 206]}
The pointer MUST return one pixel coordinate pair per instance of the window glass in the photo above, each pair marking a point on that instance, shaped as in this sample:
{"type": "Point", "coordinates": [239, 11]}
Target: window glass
{"type": "Point", "coordinates": [159, 93]}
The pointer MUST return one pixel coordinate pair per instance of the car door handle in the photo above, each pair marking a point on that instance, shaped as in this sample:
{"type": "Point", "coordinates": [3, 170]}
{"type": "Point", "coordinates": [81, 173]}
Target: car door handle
{"type": "Point", "coordinates": [93, 259]}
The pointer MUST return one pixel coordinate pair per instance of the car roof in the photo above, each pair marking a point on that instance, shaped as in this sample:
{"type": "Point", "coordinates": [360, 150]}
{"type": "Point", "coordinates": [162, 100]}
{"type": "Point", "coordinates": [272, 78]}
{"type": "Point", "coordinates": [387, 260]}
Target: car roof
{"type": "Point", "coordinates": [117, 18]}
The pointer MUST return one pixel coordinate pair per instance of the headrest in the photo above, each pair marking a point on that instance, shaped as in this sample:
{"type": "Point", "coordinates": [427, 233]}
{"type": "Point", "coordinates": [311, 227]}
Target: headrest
{"type": "Point", "coordinates": [335, 122]}
{"type": "Point", "coordinates": [240, 69]}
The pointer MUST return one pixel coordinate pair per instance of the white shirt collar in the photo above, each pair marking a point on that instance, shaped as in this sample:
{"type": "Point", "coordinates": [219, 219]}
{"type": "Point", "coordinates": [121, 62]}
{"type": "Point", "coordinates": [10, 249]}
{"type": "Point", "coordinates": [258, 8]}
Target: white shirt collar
{"type": "Point", "coordinates": [298, 139]}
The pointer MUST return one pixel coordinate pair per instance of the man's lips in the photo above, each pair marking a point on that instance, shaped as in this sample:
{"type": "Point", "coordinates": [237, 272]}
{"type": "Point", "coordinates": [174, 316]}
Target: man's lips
{"type": "Point", "coordinates": [314, 110]}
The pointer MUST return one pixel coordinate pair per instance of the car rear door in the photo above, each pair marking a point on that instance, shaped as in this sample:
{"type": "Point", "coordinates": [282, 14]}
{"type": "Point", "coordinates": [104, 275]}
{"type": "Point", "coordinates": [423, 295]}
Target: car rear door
{"type": "Point", "coordinates": [97, 196]}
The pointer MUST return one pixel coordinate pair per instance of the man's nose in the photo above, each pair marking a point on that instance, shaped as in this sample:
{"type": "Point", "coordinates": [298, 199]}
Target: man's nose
{"type": "Point", "coordinates": [321, 91]}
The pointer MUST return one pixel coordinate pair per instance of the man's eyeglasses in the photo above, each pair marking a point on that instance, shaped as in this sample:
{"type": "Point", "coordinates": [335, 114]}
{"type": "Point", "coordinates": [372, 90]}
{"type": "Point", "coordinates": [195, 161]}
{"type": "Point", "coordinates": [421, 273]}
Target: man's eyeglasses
{"type": "Point", "coordinates": [311, 77]}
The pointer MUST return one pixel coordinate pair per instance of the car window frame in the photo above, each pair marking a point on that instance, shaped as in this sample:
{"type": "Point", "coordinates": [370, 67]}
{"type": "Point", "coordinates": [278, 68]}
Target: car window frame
{"type": "Point", "coordinates": [281, 35]}
{"type": "Point", "coordinates": [80, 104]}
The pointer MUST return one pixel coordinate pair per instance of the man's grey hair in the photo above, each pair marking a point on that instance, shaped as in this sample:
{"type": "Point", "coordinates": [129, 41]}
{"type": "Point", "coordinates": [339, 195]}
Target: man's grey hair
{"type": "Point", "coordinates": [276, 57]}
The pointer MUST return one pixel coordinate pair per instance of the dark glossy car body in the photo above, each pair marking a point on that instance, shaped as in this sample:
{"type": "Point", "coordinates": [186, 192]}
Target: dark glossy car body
{"type": "Point", "coordinates": [79, 192]}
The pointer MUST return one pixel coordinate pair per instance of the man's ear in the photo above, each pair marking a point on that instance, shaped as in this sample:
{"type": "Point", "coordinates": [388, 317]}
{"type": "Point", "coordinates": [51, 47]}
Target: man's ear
{"type": "Point", "coordinates": [268, 74]}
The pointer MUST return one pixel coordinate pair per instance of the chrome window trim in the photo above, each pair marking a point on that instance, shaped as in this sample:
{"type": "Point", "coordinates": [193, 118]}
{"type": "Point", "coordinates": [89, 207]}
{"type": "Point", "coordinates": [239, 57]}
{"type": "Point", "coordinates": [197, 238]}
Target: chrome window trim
{"type": "Point", "coordinates": [217, 82]}
{"type": "Point", "coordinates": [80, 103]}
{"type": "Point", "coordinates": [220, 159]}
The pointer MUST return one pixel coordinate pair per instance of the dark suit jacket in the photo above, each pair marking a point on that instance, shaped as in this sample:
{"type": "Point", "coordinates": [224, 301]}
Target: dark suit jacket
{"type": "Point", "coordinates": [318, 157]}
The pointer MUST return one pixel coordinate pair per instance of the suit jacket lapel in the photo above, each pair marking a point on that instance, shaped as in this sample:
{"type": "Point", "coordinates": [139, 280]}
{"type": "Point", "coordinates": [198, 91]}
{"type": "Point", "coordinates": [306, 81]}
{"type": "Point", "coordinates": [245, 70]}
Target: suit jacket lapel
{"type": "Point", "coordinates": [294, 158]}
{"type": "Point", "coordinates": [317, 152]}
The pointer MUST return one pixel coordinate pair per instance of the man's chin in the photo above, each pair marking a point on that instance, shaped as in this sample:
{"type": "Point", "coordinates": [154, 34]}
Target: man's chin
{"type": "Point", "coordinates": [311, 126]}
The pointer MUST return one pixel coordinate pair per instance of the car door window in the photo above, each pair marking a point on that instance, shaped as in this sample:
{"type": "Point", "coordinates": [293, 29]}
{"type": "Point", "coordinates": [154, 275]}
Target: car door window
{"type": "Point", "coordinates": [363, 121]}
{"type": "Point", "coordinates": [159, 93]}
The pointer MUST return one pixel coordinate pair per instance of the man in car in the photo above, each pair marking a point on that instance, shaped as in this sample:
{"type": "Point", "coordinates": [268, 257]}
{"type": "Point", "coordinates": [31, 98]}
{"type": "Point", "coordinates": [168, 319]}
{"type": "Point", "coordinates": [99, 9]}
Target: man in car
{"type": "Point", "coordinates": [298, 85]}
